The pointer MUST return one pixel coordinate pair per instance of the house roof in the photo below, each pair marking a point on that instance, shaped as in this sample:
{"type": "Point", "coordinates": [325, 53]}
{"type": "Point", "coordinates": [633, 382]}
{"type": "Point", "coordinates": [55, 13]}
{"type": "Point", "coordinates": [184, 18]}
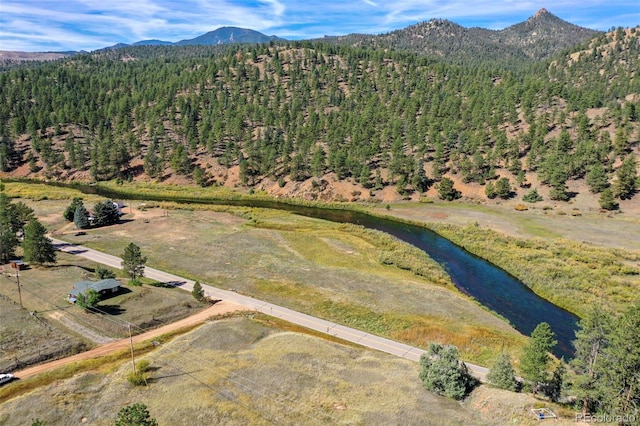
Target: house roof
{"type": "Point", "coordinates": [102, 285]}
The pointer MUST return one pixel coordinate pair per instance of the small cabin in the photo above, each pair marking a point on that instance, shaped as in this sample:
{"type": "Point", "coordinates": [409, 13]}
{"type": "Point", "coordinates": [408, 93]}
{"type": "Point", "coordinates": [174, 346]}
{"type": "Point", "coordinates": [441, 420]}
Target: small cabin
{"type": "Point", "coordinates": [102, 287]}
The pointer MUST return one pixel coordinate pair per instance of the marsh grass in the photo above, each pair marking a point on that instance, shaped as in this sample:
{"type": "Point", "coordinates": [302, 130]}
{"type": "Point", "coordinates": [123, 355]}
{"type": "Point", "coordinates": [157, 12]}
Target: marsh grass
{"type": "Point", "coordinates": [570, 274]}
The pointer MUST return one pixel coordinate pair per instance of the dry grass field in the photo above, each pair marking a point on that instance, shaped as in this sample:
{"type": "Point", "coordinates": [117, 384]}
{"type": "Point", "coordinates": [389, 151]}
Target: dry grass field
{"type": "Point", "coordinates": [310, 265]}
{"type": "Point", "coordinates": [546, 220]}
{"type": "Point", "coordinates": [254, 370]}
{"type": "Point", "coordinates": [25, 341]}
{"type": "Point", "coordinates": [240, 371]}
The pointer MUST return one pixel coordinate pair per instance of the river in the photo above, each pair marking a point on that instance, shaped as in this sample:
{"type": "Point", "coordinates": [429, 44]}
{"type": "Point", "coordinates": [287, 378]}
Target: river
{"type": "Point", "coordinates": [488, 284]}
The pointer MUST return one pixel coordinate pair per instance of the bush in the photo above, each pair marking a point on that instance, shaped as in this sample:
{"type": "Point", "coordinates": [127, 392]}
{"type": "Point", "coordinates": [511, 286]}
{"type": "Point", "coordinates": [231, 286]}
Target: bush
{"type": "Point", "coordinates": [198, 292]}
{"type": "Point", "coordinates": [135, 282]}
{"type": "Point", "coordinates": [532, 196]}
{"type": "Point", "coordinates": [143, 365]}
{"type": "Point", "coordinates": [139, 378]}
{"type": "Point", "coordinates": [444, 374]}
{"type": "Point", "coordinates": [135, 415]}
{"type": "Point", "coordinates": [104, 273]}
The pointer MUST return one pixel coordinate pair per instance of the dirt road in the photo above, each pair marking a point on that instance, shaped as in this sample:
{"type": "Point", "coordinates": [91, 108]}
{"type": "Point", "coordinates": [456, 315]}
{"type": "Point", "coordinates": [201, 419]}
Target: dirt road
{"type": "Point", "coordinates": [217, 309]}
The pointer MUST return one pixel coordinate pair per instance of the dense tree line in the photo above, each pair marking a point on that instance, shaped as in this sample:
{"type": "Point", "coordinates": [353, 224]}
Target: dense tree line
{"type": "Point", "coordinates": [19, 226]}
{"type": "Point", "coordinates": [602, 378]}
{"type": "Point", "coordinates": [304, 109]}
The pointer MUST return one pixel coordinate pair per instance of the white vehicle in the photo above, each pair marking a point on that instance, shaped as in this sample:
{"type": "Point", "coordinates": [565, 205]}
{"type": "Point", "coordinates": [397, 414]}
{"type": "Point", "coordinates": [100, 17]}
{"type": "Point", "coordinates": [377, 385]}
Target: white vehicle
{"type": "Point", "coordinates": [4, 378]}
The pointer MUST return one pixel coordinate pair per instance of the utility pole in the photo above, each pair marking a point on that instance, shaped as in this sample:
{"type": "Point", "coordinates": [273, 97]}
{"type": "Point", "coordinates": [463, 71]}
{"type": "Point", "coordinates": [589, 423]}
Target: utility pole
{"type": "Point", "coordinates": [133, 360]}
{"type": "Point", "coordinates": [16, 266]}
{"type": "Point", "coordinates": [18, 281]}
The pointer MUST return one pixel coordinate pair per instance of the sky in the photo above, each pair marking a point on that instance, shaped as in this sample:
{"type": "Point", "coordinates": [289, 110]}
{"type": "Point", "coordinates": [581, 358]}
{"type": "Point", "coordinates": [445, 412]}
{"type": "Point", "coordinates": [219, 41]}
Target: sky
{"type": "Point", "coordinates": [62, 25]}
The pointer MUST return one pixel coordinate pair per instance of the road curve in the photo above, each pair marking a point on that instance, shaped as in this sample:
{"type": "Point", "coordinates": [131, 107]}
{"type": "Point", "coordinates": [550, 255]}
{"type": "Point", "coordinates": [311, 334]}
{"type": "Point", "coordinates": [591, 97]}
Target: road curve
{"type": "Point", "coordinates": [323, 326]}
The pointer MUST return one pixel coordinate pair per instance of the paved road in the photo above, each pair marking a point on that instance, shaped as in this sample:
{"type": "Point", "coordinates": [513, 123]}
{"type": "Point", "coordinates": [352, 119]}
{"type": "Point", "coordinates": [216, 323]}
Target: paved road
{"type": "Point", "coordinates": [349, 334]}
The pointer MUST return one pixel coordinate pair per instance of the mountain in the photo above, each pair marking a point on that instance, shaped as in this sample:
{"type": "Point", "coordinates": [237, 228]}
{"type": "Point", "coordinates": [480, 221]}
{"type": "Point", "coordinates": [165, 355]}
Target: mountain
{"type": "Point", "coordinates": [543, 34]}
{"type": "Point", "coordinates": [152, 43]}
{"type": "Point", "coordinates": [229, 35]}
{"type": "Point", "coordinates": [539, 37]}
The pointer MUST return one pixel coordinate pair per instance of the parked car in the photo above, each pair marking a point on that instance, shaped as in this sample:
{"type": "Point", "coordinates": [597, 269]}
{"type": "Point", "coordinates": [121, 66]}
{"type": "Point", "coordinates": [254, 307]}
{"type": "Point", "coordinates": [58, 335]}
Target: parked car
{"type": "Point", "coordinates": [5, 378]}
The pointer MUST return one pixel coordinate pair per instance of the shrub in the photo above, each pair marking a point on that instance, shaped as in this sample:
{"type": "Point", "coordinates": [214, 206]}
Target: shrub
{"type": "Point", "coordinates": [139, 378]}
{"type": "Point", "coordinates": [104, 273]}
{"type": "Point", "coordinates": [444, 374]}
{"type": "Point", "coordinates": [198, 292]}
{"type": "Point", "coordinates": [532, 196]}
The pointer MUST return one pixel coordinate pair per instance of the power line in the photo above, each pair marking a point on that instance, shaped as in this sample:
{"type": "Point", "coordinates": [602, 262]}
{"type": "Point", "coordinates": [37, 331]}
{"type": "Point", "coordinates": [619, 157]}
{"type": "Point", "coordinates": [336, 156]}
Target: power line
{"type": "Point", "coordinates": [231, 376]}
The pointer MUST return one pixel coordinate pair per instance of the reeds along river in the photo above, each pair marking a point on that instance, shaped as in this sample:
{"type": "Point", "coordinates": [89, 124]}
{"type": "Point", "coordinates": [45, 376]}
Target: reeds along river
{"type": "Point", "coordinates": [485, 282]}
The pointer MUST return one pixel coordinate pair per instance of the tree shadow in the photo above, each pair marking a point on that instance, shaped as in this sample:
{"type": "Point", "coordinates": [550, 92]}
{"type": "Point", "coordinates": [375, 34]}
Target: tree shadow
{"type": "Point", "coordinates": [112, 309]}
{"type": "Point", "coordinates": [121, 290]}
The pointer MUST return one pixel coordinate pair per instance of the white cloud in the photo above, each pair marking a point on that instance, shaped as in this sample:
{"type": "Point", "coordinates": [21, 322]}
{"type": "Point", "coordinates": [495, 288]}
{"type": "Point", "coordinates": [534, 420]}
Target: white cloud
{"type": "Point", "coordinates": [92, 24]}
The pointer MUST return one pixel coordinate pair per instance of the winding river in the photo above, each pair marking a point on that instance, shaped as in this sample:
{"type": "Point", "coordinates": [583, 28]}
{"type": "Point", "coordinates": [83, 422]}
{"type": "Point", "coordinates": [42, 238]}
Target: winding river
{"type": "Point", "coordinates": [491, 286]}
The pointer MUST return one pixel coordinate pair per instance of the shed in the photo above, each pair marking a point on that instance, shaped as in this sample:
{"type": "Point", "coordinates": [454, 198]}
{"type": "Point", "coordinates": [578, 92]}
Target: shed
{"type": "Point", "coordinates": [17, 264]}
{"type": "Point", "coordinates": [109, 285]}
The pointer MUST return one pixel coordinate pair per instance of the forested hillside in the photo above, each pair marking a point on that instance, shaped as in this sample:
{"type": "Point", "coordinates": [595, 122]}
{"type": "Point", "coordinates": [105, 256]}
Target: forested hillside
{"type": "Point", "coordinates": [302, 118]}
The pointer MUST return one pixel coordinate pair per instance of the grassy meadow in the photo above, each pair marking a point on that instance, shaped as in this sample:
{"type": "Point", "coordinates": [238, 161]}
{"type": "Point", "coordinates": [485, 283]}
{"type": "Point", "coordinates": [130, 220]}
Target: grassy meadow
{"type": "Point", "coordinates": [246, 370]}
{"type": "Point", "coordinates": [321, 268]}
{"type": "Point", "coordinates": [357, 276]}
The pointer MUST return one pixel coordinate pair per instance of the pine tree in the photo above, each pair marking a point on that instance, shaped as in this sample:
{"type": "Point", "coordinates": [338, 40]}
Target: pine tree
{"type": "Point", "coordinates": [446, 190]}
{"type": "Point", "coordinates": [620, 380]}
{"type": "Point", "coordinates": [8, 239]}
{"type": "Point", "coordinates": [503, 188]}
{"type": "Point", "coordinates": [553, 390]}
{"type": "Point", "coordinates": [105, 213]}
{"type": "Point", "coordinates": [37, 248]}
{"type": "Point", "coordinates": [70, 211]}
{"type": "Point", "coordinates": [535, 356]}
{"type": "Point", "coordinates": [490, 190]}
{"type": "Point", "coordinates": [133, 262]}
{"type": "Point", "coordinates": [197, 292]}
{"type": "Point", "coordinates": [81, 217]}
{"type": "Point", "coordinates": [592, 338]}
{"type": "Point", "coordinates": [532, 196]}
{"type": "Point", "coordinates": [626, 176]}
{"type": "Point", "coordinates": [502, 374]}
{"type": "Point", "coordinates": [597, 179]}
{"type": "Point", "coordinates": [607, 200]}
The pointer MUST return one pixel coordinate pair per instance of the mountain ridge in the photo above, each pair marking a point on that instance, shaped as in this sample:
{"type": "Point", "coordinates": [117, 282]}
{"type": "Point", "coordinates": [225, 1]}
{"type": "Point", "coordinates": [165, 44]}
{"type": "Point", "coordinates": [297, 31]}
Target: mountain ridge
{"type": "Point", "coordinates": [428, 37]}
{"type": "Point", "coordinates": [538, 37]}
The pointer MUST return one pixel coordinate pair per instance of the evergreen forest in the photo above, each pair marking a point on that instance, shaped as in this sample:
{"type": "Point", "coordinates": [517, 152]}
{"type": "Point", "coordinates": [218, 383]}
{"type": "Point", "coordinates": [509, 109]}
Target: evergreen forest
{"type": "Point", "coordinates": [278, 114]}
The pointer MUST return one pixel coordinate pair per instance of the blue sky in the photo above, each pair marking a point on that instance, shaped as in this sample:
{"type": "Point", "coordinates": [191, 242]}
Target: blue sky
{"type": "Point", "coordinates": [57, 25]}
